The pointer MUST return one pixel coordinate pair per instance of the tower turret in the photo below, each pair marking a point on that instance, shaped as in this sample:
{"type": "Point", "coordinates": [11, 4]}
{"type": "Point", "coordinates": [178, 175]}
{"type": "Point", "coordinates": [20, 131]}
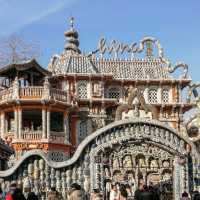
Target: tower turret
{"type": "Point", "coordinates": [71, 35]}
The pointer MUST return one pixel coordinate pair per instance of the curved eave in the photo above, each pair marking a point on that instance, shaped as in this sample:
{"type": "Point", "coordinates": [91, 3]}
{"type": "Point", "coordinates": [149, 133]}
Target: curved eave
{"type": "Point", "coordinates": [24, 66]}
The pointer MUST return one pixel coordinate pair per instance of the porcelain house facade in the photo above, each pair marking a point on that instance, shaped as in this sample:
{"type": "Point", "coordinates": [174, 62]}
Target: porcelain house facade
{"type": "Point", "coordinates": [96, 120]}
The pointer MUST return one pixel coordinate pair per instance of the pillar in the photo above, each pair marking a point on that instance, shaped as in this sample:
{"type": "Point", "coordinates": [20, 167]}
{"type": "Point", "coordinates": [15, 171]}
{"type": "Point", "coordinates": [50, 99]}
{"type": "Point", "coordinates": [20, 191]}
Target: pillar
{"type": "Point", "coordinates": [16, 133]}
{"type": "Point", "coordinates": [44, 123]}
{"type": "Point", "coordinates": [2, 124]}
{"type": "Point", "coordinates": [66, 127]}
{"type": "Point", "coordinates": [48, 124]}
{"type": "Point", "coordinates": [20, 123]}
{"type": "Point", "coordinates": [177, 179]}
{"type": "Point", "coordinates": [73, 130]}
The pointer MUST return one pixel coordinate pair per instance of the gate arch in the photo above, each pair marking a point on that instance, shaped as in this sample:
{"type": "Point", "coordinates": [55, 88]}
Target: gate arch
{"type": "Point", "coordinates": [86, 165]}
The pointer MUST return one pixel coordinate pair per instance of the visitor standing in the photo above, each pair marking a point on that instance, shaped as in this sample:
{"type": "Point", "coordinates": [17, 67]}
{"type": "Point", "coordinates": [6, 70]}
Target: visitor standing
{"type": "Point", "coordinates": [185, 196]}
{"type": "Point", "coordinates": [146, 194]}
{"type": "Point", "coordinates": [53, 194]}
{"type": "Point", "coordinates": [138, 191]}
{"type": "Point", "coordinates": [122, 195]}
{"type": "Point", "coordinates": [11, 191]}
{"type": "Point", "coordinates": [75, 192]}
{"type": "Point", "coordinates": [113, 192]}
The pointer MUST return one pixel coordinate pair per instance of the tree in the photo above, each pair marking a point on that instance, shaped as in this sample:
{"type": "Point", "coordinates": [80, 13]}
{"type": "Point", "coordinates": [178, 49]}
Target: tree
{"type": "Point", "coordinates": [15, 50]}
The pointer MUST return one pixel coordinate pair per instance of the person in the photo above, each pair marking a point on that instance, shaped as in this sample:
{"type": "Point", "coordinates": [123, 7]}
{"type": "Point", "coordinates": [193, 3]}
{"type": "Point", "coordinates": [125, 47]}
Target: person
{"type": "Point", "coordinates": [11, 191]}
{"type": "Point", "coordinates": [18, 195]}
{"type": "Point", "coordinates": [196, 195]}
{"type": "Point", "coordinates": [96, 195]}
{"type": "Point", "coordinates": [53, 194]}
{"type": "Point", "coordinates": [1, 193]}
{"type": "Point", "coordinates": [146, 194]}
{"type": "Point", "coordinates": [122, 195]}
{"type": "Point", "coordinates": [27, 191]}
{"type": "Point", "coordinates": [113, 192]}
{"type": "Point", "coordinates": [75, 192]}
{"type": "Point", "coordinates": [138, 191]}
{"type": "Point", "coordinates": [185, 196]}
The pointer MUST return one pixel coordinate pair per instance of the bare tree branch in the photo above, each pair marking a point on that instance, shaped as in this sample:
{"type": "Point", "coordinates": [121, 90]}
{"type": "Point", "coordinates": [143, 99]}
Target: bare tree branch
{"type": "Point", "coordinates": [15, 50]}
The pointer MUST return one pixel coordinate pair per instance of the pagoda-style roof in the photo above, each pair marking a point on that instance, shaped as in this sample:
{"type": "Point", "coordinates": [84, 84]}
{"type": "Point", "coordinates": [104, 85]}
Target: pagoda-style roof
{"type": "Point", "coordinates": [30, 64]}
{"type": "Point", "coordinates": [120, 69]}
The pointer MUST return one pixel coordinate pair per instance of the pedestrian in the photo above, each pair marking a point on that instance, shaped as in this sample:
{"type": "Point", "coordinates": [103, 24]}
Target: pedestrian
{"type": "Point", "coordinates": [146, 194]}
{"type": "Point", "coordinates": [75, 192]}
{"type": "Point", "coordinates": [27, 191]}
{"type": "Point", "coordinates": [138, 191]}
{"type": "Point", "coordinates": [53, 194]}
{"type": "Point", "coordinates": [1, 194]}
{"type": "Point", "coordinates": [18, 195]}
{"type": "Point", "coordinates": [185, 196]}
{"type": "Point", "coordinates": [196, 196]}
{"type": "Point", "coordinates": [113, 192]}
{"type": "Point", "coordinates": [122, 195]}
{"type": "Point", "coordinates": [96, 195]}
{"type": "Point", "coordinates": [11, 191]}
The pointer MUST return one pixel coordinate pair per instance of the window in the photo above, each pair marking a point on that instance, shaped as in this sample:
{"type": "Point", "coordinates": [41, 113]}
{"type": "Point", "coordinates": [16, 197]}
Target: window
{"type": "Point", "coordinates": [82, 89]}
{"type": "Point", "coordinates": [56, 156]}
{"type": "Point", "coordinates": [82, 130]}
{"type": "Point", "coordinates": [114, 93]}
{"type": "Point", "coordinates": [152, 96]}
{"type": "Point", "coordinates": [165, 95]}
{"type": "Point", "coordinates": [56, 121]}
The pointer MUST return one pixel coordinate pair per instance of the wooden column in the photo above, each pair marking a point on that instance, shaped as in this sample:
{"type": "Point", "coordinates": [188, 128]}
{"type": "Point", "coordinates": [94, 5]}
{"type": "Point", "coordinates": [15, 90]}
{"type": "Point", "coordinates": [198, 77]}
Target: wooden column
{"type": "Point", "coordinates": [2, 124]}
{"type": "Point", "coordinates": [16, 133]}
{"type": "Point", "coordinates": [20, 123]}
{"type": "Point", "coordinates": [48, 124]}
{"type": "Point", "coordinates": [44, 123]}
{"type": "Point", "coordinates": [66, 126]}
{"type": "Point", "coordinates": [73, 130]}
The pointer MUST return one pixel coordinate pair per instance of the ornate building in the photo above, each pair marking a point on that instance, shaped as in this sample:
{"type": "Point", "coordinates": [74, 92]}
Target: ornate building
{"type": "Point", "coordinates": [96, 120]}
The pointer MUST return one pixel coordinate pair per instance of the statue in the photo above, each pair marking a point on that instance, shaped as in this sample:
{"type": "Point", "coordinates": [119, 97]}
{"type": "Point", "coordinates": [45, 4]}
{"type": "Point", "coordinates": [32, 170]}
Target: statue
{"type": "Point", "coordinates": [135, 93]}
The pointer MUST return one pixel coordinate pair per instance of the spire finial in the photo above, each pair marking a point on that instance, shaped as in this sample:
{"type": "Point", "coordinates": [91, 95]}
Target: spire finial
{"type": "Point", "coordinates": [72, 38]}
{"type": "Point", "coordinates": [72, 22]}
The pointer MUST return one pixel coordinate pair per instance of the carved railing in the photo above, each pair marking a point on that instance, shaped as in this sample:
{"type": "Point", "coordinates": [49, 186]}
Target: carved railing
{"type": "Point", "coordinates": [6, 94]}
{"type": "Point", "coordinates": [31, 91]}
{"type": "Point", "coordinates": [59, 95]}
{"type": "Point", "coordinates": [31, 135]}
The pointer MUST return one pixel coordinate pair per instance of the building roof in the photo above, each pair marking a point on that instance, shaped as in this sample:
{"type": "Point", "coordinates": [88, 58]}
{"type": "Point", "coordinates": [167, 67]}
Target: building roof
{"type": "Point", "coordinates": [120, 69]}
{"type": "Point", "coordinates": [22, 67]}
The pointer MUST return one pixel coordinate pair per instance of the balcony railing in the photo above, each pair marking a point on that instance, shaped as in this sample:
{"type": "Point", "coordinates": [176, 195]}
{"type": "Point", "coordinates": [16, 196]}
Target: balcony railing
{"type": "Point", "coordinates": [33, 92]}
{"type": "Point", "coordinates": [31, 135]}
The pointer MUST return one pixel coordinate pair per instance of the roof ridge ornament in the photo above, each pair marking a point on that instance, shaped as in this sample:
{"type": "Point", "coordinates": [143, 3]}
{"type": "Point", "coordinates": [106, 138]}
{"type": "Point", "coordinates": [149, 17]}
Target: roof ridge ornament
{"type": "Point", "coordinates": [72, 44]}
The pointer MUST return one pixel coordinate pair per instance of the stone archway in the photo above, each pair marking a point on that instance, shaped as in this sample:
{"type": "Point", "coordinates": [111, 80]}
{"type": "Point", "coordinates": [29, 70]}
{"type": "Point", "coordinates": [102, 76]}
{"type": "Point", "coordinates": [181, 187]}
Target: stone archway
{"type": "Point", "coordinates": [144, 148]}
{"type": "Point", "coordinates": [151, 150]}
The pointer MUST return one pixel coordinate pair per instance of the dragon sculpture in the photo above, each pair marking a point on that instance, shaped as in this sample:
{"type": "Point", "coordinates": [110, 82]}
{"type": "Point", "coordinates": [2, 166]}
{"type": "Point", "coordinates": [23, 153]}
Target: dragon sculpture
{"type": "Point", "coordinates": [193, 124]}
{"type": "Point", "coordinates": [135, 93]}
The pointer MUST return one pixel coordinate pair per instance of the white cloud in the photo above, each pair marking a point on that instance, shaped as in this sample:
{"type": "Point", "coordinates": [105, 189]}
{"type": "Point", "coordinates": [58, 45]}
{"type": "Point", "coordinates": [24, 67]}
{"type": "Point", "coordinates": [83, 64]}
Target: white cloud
{"type": "Point", "coordinates": [15, 15]}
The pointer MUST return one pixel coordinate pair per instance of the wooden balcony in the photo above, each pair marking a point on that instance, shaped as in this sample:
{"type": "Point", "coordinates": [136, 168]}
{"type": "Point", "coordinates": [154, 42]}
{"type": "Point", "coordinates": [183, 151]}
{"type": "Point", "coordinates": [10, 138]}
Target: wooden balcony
{"type": "Point", "coordinates": [31, 135]}
{"type": "Point", "coordinates": [33, 93]}
{"type": "Point", "coordinates": [36, 136]}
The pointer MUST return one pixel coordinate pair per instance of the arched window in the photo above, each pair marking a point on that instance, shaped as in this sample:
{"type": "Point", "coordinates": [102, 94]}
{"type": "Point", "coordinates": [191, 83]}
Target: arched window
{"type": "Point", "coordinates": [82, 89]}
{"type": "Point", "coordinates": [82, 130]}
{"type": "Point", "coordinates": [152, 96]}
{"type": "Point", "coordinates": [165, 95]}
{"type": "Point", "coordinates": [114, 93]}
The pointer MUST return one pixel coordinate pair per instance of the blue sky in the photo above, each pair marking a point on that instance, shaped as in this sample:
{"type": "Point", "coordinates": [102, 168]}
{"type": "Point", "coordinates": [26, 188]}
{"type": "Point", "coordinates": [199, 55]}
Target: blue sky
{"type": "Point", "coordinates": [176, 23]}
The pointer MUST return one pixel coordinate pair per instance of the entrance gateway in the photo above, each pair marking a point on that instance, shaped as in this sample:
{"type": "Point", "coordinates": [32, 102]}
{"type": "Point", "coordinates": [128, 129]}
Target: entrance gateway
{"type": "Point", "coordinates": [126, 151]}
